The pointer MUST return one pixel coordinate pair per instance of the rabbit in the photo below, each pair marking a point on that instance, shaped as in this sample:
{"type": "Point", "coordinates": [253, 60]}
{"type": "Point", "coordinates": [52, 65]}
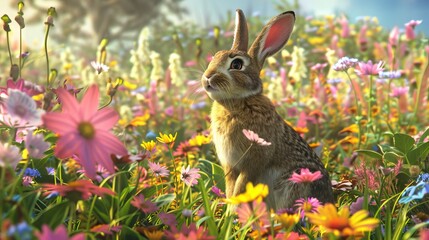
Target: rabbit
{"type": "Point", "coordinates": [232, 81]}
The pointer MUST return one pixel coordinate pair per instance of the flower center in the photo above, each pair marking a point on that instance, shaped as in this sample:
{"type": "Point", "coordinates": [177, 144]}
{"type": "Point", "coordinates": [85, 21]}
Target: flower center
{"type": "Point", "coordinates": [86, 130]}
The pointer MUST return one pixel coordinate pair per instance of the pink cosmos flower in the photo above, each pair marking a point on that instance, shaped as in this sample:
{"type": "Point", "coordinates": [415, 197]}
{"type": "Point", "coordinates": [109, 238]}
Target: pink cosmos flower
{"type": "Point", "coordinates": [143, 205]}
{"type": "Point", "coordinates": [9, 155]}
{"type": "Point", "coordinates": [84, 130]}
{"type": "Point", "coordinates": [190, 176]}
{"type": "Point", "coordinates": [305, 176]}
{"type": "Point", "coordinates": [186, 233]}
{"type": "Point", "coordinates": [158, 170]}
{"type": "Point", "coordinates": [59, 233]}
{"type": "Point", "coordinates": [365, 69]}
{"type": "Point", "coordinates": [394, 36]}
{"type": "Point", "coordinates": [254, 210]}
{"type": "Point", "coordinates": [35, 145]}
{"type": "Point", "coordinates": [253, 137]}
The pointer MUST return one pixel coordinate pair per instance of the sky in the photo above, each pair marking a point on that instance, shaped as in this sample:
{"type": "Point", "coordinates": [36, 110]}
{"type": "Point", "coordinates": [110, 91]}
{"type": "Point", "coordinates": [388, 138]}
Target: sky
{"type": "Point", "coordinates": [389, 12]}
{"type": "Point", "coordinates": [207, 12]}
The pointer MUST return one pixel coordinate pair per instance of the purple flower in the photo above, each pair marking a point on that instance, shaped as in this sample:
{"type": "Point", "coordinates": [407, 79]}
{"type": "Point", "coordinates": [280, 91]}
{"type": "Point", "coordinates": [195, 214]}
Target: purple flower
{"type": "Point", "coordinates": [190, 176]}
{"type": "Point", "coordinates": [9, 155]}
{"type": "Point", "coordinates": [50, 170]}
{"type": "Point", "coordinates": [345, 63]}
{"type": "Point", "coordinates": [357, 205]}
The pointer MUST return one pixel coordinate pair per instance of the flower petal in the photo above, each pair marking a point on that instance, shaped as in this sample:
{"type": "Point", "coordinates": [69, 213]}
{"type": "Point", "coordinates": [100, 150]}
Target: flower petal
{"type": "Point", "coordinates": [67, 145]}
{"type": "Point", "coordinates": [111, 143]}
{"type": "Point", "coordinates": [85, 159]}
{"type": "Point", "coordinates": [68, 101]}
{"type": "Point", "coordinates": [105, 119]}
{"type": "Point", "coordinates": [89, 103]}
{"type": "Point", "coordinates": [59, 122]}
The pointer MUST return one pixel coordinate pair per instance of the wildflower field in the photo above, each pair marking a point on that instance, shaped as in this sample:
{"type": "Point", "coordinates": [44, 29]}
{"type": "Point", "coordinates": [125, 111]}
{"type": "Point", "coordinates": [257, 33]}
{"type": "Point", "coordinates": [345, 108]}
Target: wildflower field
{"type": "Point", "coordinates": [116, 143]}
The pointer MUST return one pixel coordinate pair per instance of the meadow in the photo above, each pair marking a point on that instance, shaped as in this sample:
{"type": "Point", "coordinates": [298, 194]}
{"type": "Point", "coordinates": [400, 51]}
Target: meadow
{"type": "Point", "coordinates": [116, 144]}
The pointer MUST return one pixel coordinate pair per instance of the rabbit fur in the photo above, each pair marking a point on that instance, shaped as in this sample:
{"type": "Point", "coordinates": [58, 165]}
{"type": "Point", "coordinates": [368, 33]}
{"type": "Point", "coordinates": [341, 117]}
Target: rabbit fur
{"type": "Point", "coordinates": [232, 81]}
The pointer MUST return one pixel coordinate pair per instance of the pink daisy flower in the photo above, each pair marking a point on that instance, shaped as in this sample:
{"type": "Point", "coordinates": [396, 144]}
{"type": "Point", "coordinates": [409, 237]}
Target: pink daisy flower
{"type": "Point", "coordinates": [305, 176]}
{"type": "Point", "coordinates": [59, 233]}
{"type": "Point", "coordinates": [158, 170]}
{"type": "Point", "coordinates": [190, 176]}
{"type": "Point", "coordinates": [20, 109]}
{"type": "Point", "coordinates": [143, 205]}
{"type": "Point", "coordinates": [84, 130]}
{"type": "Point", "coordinates": [306, 205]}
{"type": "Point", "coordinates": [35, 145]}
{"type": "Point", "coordinates": [253, 137]}
{"type": "Point", "coordinates": [365, 69]}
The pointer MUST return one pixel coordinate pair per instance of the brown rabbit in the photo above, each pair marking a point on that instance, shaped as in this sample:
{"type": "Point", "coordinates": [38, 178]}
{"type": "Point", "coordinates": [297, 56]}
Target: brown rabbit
{"type": "Point", "coordinates": [232, 81]}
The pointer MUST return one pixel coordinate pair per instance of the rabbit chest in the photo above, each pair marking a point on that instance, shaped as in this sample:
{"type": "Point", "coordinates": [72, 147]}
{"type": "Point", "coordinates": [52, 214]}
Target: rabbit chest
{"type": "Point", "coordinates": [232, 146]}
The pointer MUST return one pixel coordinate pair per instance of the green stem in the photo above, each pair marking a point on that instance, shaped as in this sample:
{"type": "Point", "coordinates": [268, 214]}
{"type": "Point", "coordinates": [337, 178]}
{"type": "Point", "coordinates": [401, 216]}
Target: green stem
{"type": "Point", "coordinates": [48, 84]}
{"type": "Point", "coordinates": [208, 211]}
{"type": "Point", "coordinates": [358, 109]}
{"type": "Point", "coordinates": [370, 99]}
{"type": "Point", "coordinates": [71, 217]}
{"type": "Point", "coordinates": [20, 51]}
{"type": "Point", "coordinates": [8, 48]}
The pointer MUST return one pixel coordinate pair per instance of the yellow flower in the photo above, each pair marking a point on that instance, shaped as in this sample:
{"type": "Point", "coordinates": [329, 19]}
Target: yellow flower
{"type": "Point", "coordinates": [252, 193]}
{"type": "Point", "coordinates": [288, 220]}
{"type": "Point", "coordinates": [140, 120]}
{"type": "Point", "coordinates": [354, 128]}
{"type": "Point", "coordinates": [164, 138]}
{"type": "Point", "coordinates": [340, 223]}
{"type": "Point", "coordinates": [149, 146]}
{"type": "Point", "coordinates": [130, 85]}
{"type": "Point", "coordinates": [199, 140]}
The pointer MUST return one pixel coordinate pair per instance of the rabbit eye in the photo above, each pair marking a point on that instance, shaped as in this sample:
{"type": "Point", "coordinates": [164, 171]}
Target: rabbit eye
{"type": "Point", "coordinates": [236, 64]}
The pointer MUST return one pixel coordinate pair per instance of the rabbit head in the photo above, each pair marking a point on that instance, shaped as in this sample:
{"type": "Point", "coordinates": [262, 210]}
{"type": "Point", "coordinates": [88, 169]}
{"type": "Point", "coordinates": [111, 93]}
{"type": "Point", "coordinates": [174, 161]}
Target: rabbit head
{"type": "Point", "coordinates": [234, 73]}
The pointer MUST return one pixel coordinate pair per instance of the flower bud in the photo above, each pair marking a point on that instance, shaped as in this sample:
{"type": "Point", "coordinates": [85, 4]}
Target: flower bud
{"type": "Point", "coordinates": [414, 170]}
{"type": "Point", "coordinates": [20, 20]}
{"type": "Point", "coordinates": [49, 21]}
{"type": "Point", "coordinates": [14, 72]}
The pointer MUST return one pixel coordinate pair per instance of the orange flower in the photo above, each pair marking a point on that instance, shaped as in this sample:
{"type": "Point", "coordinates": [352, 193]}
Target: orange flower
{"type": "Point", "coordinates": [340, 223]}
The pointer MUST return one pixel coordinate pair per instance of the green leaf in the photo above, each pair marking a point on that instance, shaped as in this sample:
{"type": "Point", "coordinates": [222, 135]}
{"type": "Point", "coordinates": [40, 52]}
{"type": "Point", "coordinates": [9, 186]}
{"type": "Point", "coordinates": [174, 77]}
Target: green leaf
{"type": "Point", "coordinates": [420, 152]}
{"type": "Point", "coordinates": [370, 153]}
{"type": "Point", "coordinates": [403, 142]}
{"type": "Point", "coordinates": [165, 199]}
{"type": "Point", "coordinates": [53, 216]}
{"type": "Point", "coordinates": [391, 157]}
{"type": "Point", "coordinates": [128, 233]}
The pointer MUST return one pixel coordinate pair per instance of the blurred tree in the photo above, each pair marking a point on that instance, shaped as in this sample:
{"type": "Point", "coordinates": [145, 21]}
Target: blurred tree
{"type": "Point", "coordinates": [98, 19]}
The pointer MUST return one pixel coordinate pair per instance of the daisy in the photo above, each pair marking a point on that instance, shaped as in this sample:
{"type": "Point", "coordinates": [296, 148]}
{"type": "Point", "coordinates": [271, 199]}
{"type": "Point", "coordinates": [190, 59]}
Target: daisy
{"type": "Point", "coordinates": [365, 69]}
{"type": "Point", "coordinates": [9, 155]}
{"type": "Point", "coordinates": [20, 109]}
{"type": "Point", "coordinates": [158, 170]}
{"type": "Point", "coordinates": [190, 176]}
{"type": "Point", "coordinates": [144, 205]}
{"type": "Point", "coordinates": [253, 137]}
{"type": "Point", "coordinates": [84, 130]}
{"type": "Point", "coordinates": [35, 145]}
{"type": "Point", "coordinates": [305, 176]}
{"type": "Point", "coordinates": [340, 223]}
{"type": "Point", "coordinates": [99, 67]}
{"type": "Point", "coordinates": [59, 233]}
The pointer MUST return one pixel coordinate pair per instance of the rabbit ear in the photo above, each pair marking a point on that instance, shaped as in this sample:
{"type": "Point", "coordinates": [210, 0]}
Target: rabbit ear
{"type": "Point", "coordinates": [241, 38]}
{"type": "Point", "coordinates": [272, 37]}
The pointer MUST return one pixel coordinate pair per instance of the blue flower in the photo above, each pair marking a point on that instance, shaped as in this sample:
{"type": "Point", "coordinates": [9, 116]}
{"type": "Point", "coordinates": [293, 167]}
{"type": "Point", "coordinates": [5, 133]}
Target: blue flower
{"type": "Point", "coordinates": [21, 230]}
{"type": "Point", "coordinates": [390, 75]}
{"type": "Point", "coordinates": [30, 172]}
{"type": "Point", "coordinates": [345, 63]}
{"type": "Point", "coordinates": [418, 191]}
{"type": "Point", "coordinates": [50, 170]}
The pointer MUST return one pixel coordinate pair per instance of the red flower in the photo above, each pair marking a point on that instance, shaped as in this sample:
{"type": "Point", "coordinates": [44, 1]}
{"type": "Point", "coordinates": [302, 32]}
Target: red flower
{"type": "Point", "coordinates": [78, 190]}
{"type": "Point", "coordinates": [305, 176]}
